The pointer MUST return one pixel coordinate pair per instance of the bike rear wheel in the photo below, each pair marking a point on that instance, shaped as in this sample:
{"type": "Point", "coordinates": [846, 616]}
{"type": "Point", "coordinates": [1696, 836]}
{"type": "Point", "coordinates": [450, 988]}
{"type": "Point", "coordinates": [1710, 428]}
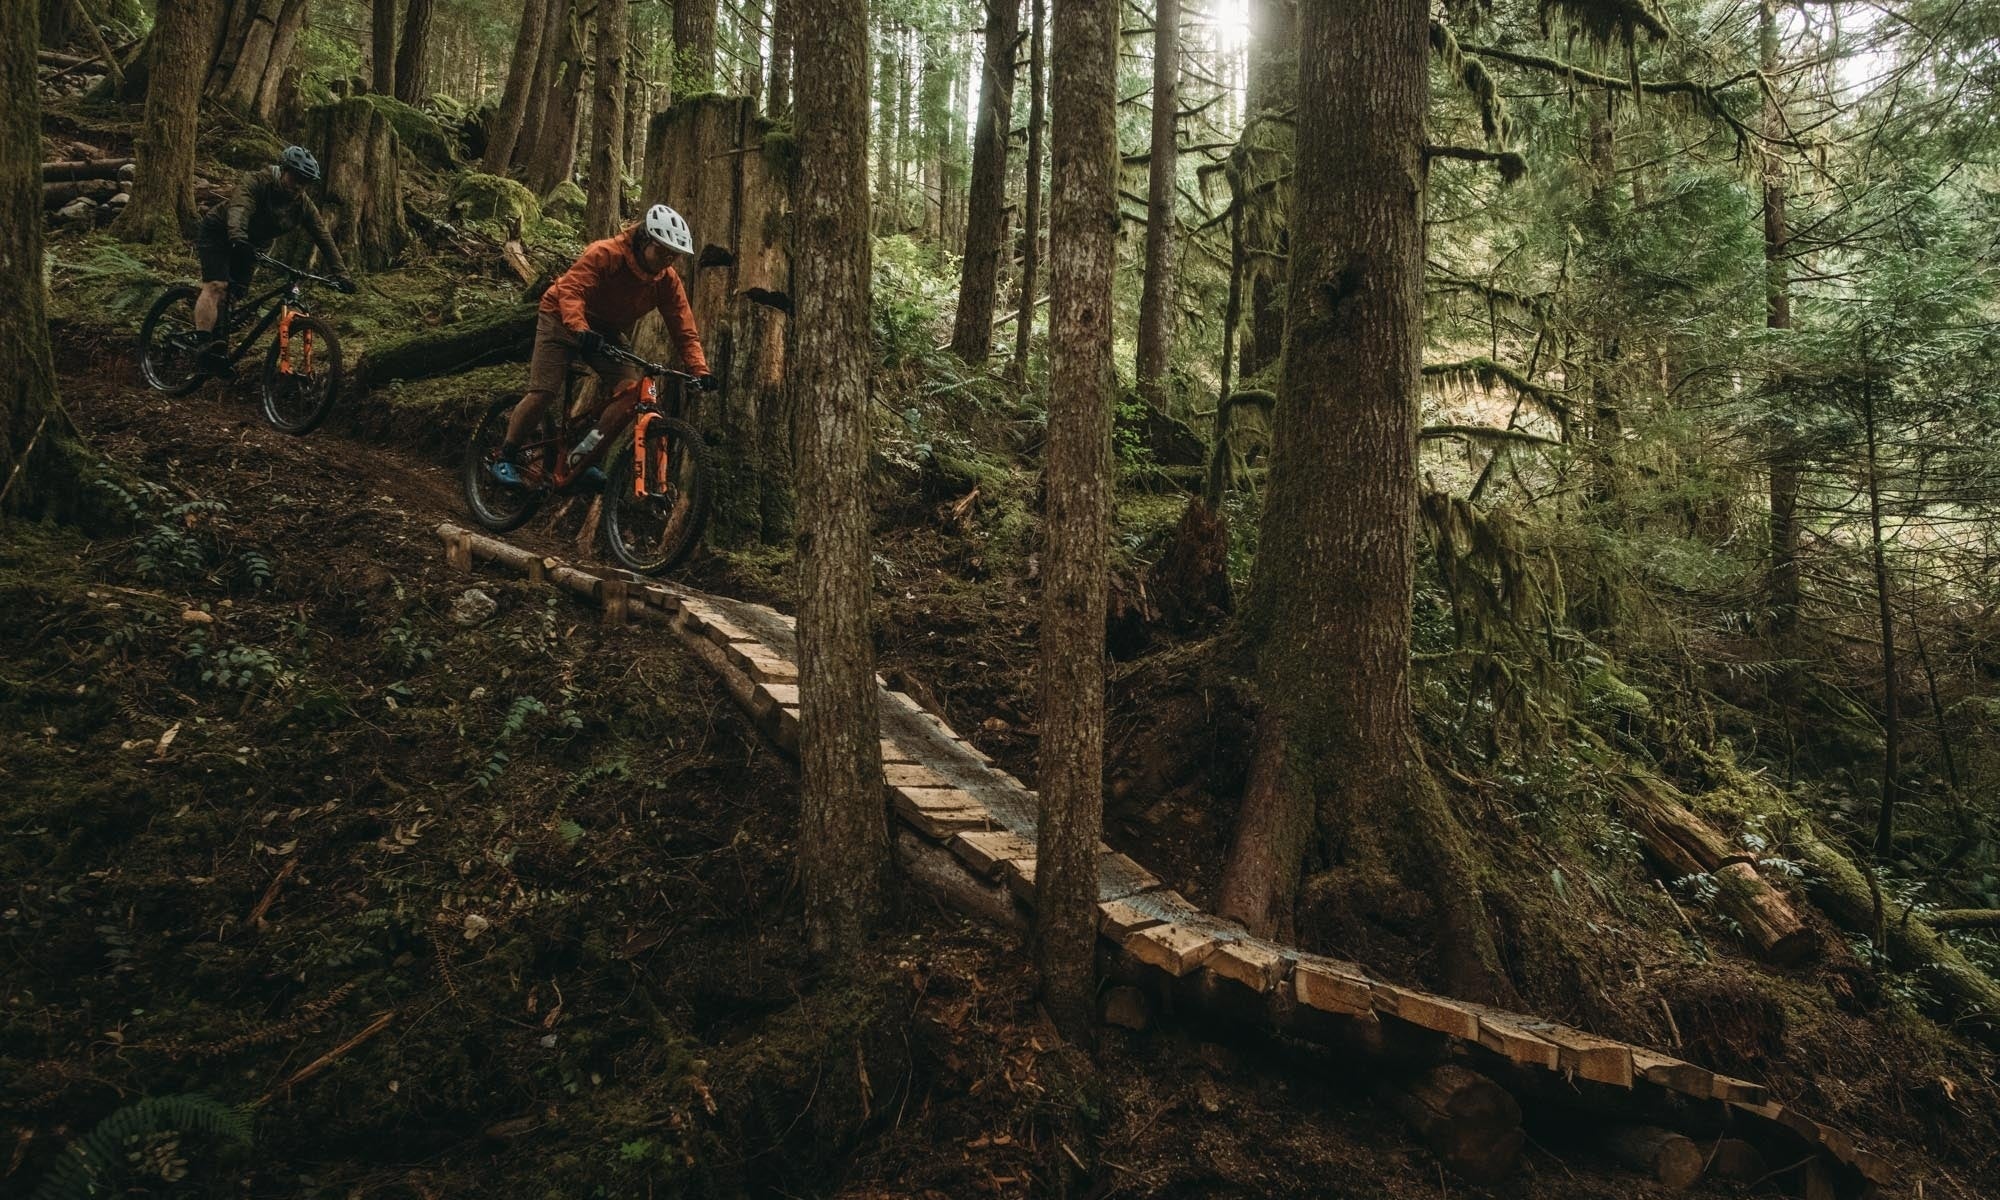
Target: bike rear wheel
{"type": "Point", "coordinates": [170, 346]}
{"type": "Point", "coordinates": [301, 376]}
{"type": "Point", "coordinates": [495, 505]}
{"type": "Point", "coordinates": [653, 520]}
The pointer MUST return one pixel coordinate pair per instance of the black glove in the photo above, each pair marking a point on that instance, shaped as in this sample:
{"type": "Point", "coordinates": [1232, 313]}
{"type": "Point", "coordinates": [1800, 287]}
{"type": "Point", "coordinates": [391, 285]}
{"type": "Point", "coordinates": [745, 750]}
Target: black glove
{"type": "Point", "coordinates": [589, 342]}
{"type": "Point", "coordinates": [708, 383]}
{"type": "Point", "coordinates": [238, 242]}
{"type": "Point", "coordinates": [345, 285]}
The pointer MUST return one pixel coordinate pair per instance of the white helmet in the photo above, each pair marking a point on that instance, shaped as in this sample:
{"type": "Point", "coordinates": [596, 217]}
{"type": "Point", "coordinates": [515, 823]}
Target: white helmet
{"type": "Point", "coordinates": [669, 228]}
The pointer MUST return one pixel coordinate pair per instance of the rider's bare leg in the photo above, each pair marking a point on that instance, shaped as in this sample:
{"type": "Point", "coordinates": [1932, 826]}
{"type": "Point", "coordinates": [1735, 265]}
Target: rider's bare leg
{"type": "Point", "coordinates": [208, 305]}
{"type": "Point", "coordinates": [526, 413]}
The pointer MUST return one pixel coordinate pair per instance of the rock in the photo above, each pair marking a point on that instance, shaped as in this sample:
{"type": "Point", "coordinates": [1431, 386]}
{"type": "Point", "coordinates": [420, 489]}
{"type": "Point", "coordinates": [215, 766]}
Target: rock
{"type": "Point", "coordinates": [120, 200]}
{"type": "Point", "coordinates": [478, 198]}
{"type": "Point", "coordinates": [1127, 1008]}
{"type": "Point", "coordinates": [128, 172]}
{"type": "Point", "coordinates": [565, 202]}
{"type": "Point", "coordinates": [195, 616]}
{"type": "Point", "coordinates": [472, 607]}
{"type": "Point", "coordinates": [78, 210]}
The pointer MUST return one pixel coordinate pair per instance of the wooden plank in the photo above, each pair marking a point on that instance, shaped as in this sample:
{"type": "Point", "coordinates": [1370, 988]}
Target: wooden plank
{"type": "Point", "coordinates": [1731, 1090]}
{"type": "Point", "coordinates": [1332, 986]}
{"type": "Point", "coordinates": [1019, 875]}
{"type": "Point", "coordinates": [1173, 947]}
{"type": "Point", "coordinates": [615, 595]}
{"type": "Point", "coordinates": [1116, 918]}
{"type": "Point", "coordinates": [782, 727]}
{"type": "Point", "coordinates": [1503, 1035]}
{"type": "Point", "coordinates": [1674, 1075]}
{"type": "Point", "coordinates": [769, 668]}
{"type": "Point", "coordinates": [1119, 876]}
{"type": "Point", "coordinates": [1425, 1011]}
{"type": "Point", "coordinates": [939, 824]}
{"type": "Point", "coordinates": [779, 695]}
{"type": "Point", "coordinates": [912, 775]}
{"type": "Point", "coordinates": [893, 752]}
{"type": "Point", "coordinates": [1253, 962]}
{"type": "Point", "coordinates": [1585, 1054]}
{"type": "Point", "coordinates": [987, 852]}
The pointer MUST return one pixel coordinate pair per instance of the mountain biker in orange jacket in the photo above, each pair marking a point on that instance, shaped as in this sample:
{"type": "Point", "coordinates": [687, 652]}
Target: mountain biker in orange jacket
{"type": "Point", "coordinates": [595, 303]}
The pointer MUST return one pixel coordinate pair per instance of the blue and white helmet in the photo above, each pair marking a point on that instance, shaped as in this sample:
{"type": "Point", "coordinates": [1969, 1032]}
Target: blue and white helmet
{"type": "Point", "coordinates": [300, 161]}
{"type": "Point", "coordinates": [669, 229]}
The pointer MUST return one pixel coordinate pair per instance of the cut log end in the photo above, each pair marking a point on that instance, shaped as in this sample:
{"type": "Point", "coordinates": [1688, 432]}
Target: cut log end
{"type": "Point", "coordinates": [1470, 1122]}
{"type": "Point", "coordinates": [1671, 1158]}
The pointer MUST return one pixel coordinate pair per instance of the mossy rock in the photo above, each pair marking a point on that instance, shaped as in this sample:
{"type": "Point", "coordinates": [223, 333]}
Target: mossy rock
{"type": "Point", "coordinates": [253, 147]}
{"type": "Point", "coordinates": [565, 203]}
{"type": "Point", "coordinates": [478, 199]}
{"type": "Point", "coordinates": [421, 134]}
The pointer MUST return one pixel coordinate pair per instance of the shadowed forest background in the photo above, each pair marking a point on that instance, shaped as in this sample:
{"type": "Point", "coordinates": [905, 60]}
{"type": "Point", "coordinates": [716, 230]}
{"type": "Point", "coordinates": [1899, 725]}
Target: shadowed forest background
{"type": "Point", "coordinates": [1499, 492]}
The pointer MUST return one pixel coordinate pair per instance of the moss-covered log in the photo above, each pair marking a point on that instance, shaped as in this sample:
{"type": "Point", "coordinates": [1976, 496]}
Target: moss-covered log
{"type": "Point", "coordinates": [505, 338]}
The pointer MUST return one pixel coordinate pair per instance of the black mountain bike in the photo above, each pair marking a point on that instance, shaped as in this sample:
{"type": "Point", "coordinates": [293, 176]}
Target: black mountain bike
{"type": "Point", "coordinates": [301, 370]}
{"type": "Point", "coordinates": [657, 491]}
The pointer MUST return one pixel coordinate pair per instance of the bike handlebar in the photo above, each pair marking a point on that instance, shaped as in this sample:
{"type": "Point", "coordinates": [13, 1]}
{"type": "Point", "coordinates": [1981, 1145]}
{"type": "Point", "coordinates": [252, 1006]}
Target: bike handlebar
{"type": "Point", "coordinates": [295, 272]}
{"type": "Point", "coordinates": [648, 366]}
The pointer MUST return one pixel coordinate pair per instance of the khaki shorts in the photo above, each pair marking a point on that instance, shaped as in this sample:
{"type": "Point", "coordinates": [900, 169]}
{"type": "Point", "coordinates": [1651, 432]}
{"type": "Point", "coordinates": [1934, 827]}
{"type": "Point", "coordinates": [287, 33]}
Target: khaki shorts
{"type": "Point", "coordinates": [555, 350]}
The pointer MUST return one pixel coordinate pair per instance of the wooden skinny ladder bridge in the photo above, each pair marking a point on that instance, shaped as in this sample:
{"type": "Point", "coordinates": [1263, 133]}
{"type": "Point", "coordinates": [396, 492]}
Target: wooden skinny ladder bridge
{"type": "Point", "coordinates": [967, 831]}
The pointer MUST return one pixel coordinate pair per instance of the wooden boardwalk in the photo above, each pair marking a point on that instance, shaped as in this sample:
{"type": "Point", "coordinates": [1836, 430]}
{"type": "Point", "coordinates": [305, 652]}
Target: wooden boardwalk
{"type": "Point", "coordinates": [968, 828]}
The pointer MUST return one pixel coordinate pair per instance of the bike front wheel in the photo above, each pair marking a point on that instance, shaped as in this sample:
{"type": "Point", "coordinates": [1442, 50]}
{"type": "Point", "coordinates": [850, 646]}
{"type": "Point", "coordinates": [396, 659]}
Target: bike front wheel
{"type": "Point", "coordinates": [170, 346]}
{"type": "Point", "coordinates": [500, 507]}
{"type": "Point", "coordinates": [301, 376]}
{"type": "Point", "coordinates": [657, 497]}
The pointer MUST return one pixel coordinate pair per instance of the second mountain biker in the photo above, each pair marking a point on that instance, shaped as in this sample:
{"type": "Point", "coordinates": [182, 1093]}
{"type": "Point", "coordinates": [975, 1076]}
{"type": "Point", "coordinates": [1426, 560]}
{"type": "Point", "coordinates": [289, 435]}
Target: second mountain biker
{"type": "Point", "coordinates": [597, 301]}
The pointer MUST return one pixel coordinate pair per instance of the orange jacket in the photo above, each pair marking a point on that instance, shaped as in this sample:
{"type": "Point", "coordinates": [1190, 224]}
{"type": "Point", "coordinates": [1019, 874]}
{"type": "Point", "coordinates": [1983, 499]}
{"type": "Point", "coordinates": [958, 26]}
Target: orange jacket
{"type": "Point", "coordinates": [608, 290]}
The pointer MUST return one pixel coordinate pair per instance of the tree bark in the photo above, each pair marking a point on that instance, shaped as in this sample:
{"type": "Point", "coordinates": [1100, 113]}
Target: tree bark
{"type": "Point", "coordinates": [694, 47]}
{"type": "Point", "coordinates": [274, 93]}
{"type": "Point", "coordinates": [601, 215]}
{"type": "Point", "coordinates": [40, 459]}
{"type": "Point", "coordinates": [548, 68]}
{"type": "Point", "coordinates": [162, 204]}
{"type": "Point", "coordinates": [778, 93]}
{"type": "Point", "coordinates": [1077, 479]}
{"type": "Point", "coordinates": [554, 153]}
{"type": "Point", "coordinates": [1337, 766]}
{"type": "Point", "coordinates": [1892, 709]}
{"type": "Point", "coordinates": [413, 83]}
{"type": "Point", "coordinates": [1156, 296]}
{"type": "Point", "coordinates": [1782, 583]}
{"type": "Point", "coordinates": [505, 131]}
{"type": "Point", "coordinates": [1031, 204]}
{"type": "Point", "coordinates": [986, 205]}
{"type": "Point", "coordinates": [358, 153]}
{"type": "Point", "coordinates": [1271, 87]}
{"type": "Point", "coordinates": [382, 40]}
{"type": "Point", "coordinates": [887, 193]}
{"type": "Point", "coordinates": [843, 846]}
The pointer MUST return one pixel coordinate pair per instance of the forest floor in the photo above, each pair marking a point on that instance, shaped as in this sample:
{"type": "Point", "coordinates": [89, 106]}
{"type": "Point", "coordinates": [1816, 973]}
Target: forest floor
{"type": "Point", "coordinates": [506, 905]}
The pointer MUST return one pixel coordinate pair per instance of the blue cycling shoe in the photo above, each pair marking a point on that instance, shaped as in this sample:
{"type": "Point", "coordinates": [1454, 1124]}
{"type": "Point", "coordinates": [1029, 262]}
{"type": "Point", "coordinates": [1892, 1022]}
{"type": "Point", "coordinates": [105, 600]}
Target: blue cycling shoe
{"type": "Point", "coordinates": [505, 472]}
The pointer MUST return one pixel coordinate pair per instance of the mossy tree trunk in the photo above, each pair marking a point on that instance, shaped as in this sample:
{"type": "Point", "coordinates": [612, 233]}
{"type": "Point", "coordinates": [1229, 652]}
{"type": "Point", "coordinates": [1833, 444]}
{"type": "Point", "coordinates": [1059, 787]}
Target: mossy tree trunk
{"type": "Point", "coordinates": [1076, 529]}
{"type": "Point", "coordinates": [1271, 90]}
{"type": "Point", "coordinates": [712, 158]}
{"type": "Point", "coordinates": [363, 205]}
{"type": "Point", "coordinates": [505, 131]}
{"type": "Point", "coordinates": [601, 213]}
{"type": "Point", "coordinates": [986, 205]}
{"type": "Point", "coordinates": [1031, 193]}
{"type": "Point", "coordinates": [554, 153]}
{"type": "Point", "coordinates": [259, 38]}
{"type": "Point", "coordinates": [162, 204]}
{"type": "Point", "coordinates": [59, 23]}
{"type": "Point", "coordinates": [1337, 773]}
{"type": "Point", "coordinates": [784, 28]}
{"type": "Point", "coordinates": [844, 842]}
{"type": "Point", "coordinates": [548, 68]}
{"type": "Point", "coordinates": [694, 47]}
{"type": "Point", "coordinates": [40, 459]}
{"type": "Point", "coordinates": [1156, 298]}
{"type": "Point", "coordinates": [413, 53]}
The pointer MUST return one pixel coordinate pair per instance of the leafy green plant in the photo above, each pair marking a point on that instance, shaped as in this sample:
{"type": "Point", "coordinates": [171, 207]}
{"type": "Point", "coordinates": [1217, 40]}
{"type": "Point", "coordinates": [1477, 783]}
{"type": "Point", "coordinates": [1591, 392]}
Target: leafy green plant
{"type": "Point", "coordinates": [130, 1139]}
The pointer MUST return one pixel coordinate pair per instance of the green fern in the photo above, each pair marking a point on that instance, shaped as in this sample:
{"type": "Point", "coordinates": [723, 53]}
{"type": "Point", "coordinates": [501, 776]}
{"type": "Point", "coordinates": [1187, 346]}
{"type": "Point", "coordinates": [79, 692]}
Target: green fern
{"type": "Point", "coordinates": [90, 1164]}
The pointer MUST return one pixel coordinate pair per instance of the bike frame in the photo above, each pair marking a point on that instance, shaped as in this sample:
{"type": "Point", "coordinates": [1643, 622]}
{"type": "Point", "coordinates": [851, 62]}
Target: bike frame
{"type": "Point", "coordinates": [644, 413]}
{"type": "Point", "coordinates": [286, 301]}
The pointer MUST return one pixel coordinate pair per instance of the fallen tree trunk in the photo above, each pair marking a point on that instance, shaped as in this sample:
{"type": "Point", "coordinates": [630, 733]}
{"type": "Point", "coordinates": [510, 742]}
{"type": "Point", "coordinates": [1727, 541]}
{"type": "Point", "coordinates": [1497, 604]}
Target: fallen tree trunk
{"type": "Point", "coordinates": [1734, 1160]}
{"type": "Point", "coordinates": [1842, 891]}
{"type": "Point", "coordinates": [1963, 918]}
{"type": "Point", "coordinates": [448, 351]}
{"type": "Point", "coordinates": [55, 195]}
{"type": "Point", "coordinates": [1470, 1122]}
{"type": "Point", "coordinates": [1671, 1158]}
{"type": "Point", "coordinates": [87, 168]}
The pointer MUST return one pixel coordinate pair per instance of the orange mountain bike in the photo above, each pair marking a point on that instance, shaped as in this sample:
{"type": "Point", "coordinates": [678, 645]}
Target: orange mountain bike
{"type": "Point", "coordinates": [301, 371]}
{"type": "Point", "coordinates": [656, 494]}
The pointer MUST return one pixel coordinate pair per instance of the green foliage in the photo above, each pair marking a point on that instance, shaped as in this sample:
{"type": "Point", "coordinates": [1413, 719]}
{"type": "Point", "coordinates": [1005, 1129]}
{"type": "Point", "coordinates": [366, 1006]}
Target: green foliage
{"type": "Point", "coordinates": [129, 1143]}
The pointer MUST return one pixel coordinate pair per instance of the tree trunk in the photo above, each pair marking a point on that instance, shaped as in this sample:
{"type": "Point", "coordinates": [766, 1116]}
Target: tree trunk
{"type": "Point", "coordinates": [1156, 297]}
{"type": "Point", "coordinates": [1271, 87]}
{"type": "Point", "coordinates": [40, 459]}
{"type": "Point", "coordinates": [277, 90]}
{"type": "Point", "coordinates": [548, 68]}
{"type": "Point", "coordinates": [1076, 525]}
{"type": "Point", "coordinates": [694, 47]}
{"type": "Point", "coordinates": [778, 94]}
{"type": "Point", "coordinates": [1221, 460]}
{"type": "Point", "coordinates": [249, 30]}
{"type": "Point", "coordinates": [986, 209]}
{"type": "Point", "coordinates": [162, 204]}
{"type": "Point", "coordinates": [359, 157]}
{"type": "Point", "coordinates": [1337, 765]}
{"type": "Point", "coordinates": [1470, 1122]}
{"type": "Point", "coordinates": [555, 151]}
{"type": "Point", "coordinates": [1892, 722]}
{"type": "Point", "coordinates": [1031, 204]}
{"type": "Point", "coordinates": [1782, 583]}
{"type": "Point", "coordinates": [886, 193]}
{"type": "Point", "coordinates": [413, 83]}
{"type": "Point", "coordinates": [843, 846]}
{"type": "Point", "coordinates": [505, 131]}
{"type": "Point", "coordinates": [382, 30]}
{"type": "Point", "coordinates": [601, 216]}
{"type": "Point", "coordinates": [59, 23]}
